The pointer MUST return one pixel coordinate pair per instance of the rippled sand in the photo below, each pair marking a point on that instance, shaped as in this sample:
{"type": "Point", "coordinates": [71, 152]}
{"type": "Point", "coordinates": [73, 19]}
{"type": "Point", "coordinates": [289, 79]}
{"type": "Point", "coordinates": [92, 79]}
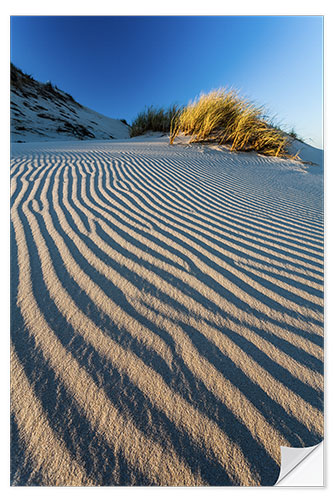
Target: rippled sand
{"type": "Point", "coordinates": [167, 314]}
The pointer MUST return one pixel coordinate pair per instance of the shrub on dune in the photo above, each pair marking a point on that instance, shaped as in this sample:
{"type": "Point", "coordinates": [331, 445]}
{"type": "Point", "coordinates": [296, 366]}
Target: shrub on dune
{"type": "Point", "coordinates": [153, 119]}
{"type": "Point", "coordinates": [222, 116]}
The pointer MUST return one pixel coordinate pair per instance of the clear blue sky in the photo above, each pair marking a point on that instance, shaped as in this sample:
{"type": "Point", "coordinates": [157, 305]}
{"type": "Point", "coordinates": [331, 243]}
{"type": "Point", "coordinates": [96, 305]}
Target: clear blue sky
{"type": "Point", "coordinates": [118, 65]}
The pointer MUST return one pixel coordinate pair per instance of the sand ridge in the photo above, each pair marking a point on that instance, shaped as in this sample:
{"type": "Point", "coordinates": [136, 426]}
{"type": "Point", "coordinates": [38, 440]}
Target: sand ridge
{"type": "Point", "coordinates": [167, 313]}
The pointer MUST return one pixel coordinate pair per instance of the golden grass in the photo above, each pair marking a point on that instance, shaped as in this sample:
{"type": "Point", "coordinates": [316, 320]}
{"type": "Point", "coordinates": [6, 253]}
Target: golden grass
{"type": "Point", "coordinates": [224, 117]}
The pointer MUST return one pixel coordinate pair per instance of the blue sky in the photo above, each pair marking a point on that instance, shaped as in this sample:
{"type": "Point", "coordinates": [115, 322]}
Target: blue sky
{"type": "Point", "coordinates": [118, 65]}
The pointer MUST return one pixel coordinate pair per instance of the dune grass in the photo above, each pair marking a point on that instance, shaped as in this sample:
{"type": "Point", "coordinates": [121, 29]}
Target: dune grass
{"type": "Point", "coordinates": [224, 117]}
{"type": "Point", "coordinates": [153, 119]}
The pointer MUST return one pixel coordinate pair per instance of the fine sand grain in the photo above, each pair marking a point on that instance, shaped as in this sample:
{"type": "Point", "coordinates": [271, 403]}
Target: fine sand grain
{"type": "Point", "coordinates": [167, 313]}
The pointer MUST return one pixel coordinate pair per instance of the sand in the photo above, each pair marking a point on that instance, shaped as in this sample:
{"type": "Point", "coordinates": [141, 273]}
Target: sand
{"type": "Point", "coordinates": [167, 313]}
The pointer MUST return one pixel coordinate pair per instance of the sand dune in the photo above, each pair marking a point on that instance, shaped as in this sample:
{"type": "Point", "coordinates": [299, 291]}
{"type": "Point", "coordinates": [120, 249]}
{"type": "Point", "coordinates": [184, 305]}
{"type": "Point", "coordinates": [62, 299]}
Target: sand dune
{"type": "Point", "coordinates": [167, 313]}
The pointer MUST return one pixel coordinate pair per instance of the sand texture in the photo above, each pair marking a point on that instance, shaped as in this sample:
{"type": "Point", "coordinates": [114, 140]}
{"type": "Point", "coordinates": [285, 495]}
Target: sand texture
{"type": "Point", "coordinates": [167, 313]}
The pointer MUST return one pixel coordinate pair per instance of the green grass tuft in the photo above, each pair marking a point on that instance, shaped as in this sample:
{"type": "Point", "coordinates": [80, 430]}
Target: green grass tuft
{"type": "Point", "coordinates": [153, 119]}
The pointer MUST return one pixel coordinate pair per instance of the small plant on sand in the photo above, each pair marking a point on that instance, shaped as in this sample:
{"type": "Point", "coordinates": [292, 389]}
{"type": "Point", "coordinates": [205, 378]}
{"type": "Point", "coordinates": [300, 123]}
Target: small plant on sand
{"type": "Point", "coordinates": [222, 116]}
{"type": "Point", "coordinates": [124, 121]}
{"type": "Point", "coordinates": [153, 119]}
{"type": "Point", "coordinates": [294, 135]}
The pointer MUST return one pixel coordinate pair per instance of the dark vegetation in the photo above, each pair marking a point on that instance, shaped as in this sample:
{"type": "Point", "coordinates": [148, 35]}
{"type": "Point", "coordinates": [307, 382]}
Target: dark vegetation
{"type": "Point", "coordinates": [46, 116]}
{"type": "Point", "coordinates": [295, 136]}
{"type": "Point", "coordinates": [27, 86]}
{"type": "Point", "coordinates": [153, 119]}
{"type": "Point", "coordinates": [80, 131]}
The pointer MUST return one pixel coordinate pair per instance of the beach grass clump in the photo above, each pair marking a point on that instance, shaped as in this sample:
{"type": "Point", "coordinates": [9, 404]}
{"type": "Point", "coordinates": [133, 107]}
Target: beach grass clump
{"type": "Point", "coordinates": [224, 117]}
{"type": "Point", "coordinates": [153, 119]}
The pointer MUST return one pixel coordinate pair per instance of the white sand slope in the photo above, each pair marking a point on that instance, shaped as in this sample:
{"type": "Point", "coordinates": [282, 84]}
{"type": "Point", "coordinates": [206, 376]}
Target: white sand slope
{"type": "Point", "coordinates": [42, 112]}
{"type": "Point", "coordinates": [167, 313]}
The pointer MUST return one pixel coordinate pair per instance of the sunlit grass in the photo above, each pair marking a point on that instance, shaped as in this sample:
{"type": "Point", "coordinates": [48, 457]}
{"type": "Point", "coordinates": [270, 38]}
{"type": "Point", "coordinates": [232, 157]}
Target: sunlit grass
{"type": "Point", "coordinates": [224, 117]}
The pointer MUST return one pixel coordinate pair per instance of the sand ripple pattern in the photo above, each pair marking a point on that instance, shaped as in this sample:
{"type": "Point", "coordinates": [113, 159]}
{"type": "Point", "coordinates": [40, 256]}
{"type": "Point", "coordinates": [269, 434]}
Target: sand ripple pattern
{"type": "Point", "coordinates": [167, 314]}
